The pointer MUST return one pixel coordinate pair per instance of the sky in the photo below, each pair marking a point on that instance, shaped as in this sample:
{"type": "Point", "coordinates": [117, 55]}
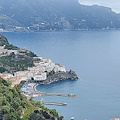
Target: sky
{"type": "Point", "coordinates": [114, 4]}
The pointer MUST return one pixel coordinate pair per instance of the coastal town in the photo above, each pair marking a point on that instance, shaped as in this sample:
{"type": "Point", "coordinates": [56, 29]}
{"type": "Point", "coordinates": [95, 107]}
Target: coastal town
{"type": "Point", "coordinates": [38, 72]}
{"type": "Point", "coordinates": [41, 71]}
{"type": "Point", "coordinates": [20, 64]}
{"type": "Point", "coordinates": [59, 59]}
{"type": "Point", "coordinates": [44, 71]}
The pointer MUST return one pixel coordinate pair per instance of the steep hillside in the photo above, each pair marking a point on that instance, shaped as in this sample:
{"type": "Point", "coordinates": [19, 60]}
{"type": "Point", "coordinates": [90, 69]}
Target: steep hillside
{"type": "Point", "coordinates": [12, 58]}
{"type": "Point", "coordinates": [15, 106]}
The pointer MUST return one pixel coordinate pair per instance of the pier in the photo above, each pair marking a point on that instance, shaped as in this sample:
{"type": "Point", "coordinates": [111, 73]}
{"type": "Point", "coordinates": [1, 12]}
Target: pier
{"type": "Point", "coordinates": [54, 103]}
{"type": "Point", "coordinates": [35, 94]}
{"type": "Point", "coordinates": [59, 94]}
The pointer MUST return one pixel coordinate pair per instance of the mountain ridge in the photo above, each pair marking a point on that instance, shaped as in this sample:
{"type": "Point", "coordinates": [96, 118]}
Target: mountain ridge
{"type": "Point", "coordinates": [48, 15]}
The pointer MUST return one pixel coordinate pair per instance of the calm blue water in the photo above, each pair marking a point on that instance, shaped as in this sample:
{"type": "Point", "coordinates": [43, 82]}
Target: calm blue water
{"type": "Point", "coordinates": [95, 56]}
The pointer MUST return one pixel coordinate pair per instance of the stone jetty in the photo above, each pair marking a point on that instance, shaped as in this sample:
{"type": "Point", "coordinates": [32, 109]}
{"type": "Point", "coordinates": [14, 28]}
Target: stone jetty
{"type": "Point", "coordinates": [54, 103]}
{"type": "Point", "coordinates": [59, 94]}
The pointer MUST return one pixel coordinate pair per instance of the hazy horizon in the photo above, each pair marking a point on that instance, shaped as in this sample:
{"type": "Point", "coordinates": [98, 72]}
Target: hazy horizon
{"type": "Point", "coordinates": [113, 4]}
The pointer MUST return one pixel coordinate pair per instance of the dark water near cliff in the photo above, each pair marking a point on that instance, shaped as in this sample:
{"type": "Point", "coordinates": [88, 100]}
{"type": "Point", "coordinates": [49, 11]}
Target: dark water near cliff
{"type": "Point", "coordinates": [95, 56]}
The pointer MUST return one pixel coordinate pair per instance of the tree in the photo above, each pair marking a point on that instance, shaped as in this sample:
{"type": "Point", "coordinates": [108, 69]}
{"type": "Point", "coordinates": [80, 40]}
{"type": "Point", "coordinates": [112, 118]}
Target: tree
{"type": "Point", "coordinates": [5, 109]}
{"type": "Point", "coordinates": [11, 116]}
{"type": "Point", "coordinates": [54, 112]}
{"type": "Point", "coordinates": [2, 69]}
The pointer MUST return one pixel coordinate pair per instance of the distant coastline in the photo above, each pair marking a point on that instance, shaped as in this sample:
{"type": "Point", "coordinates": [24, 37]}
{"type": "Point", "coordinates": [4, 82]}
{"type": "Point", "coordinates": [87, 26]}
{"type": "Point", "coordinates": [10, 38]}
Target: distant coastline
{"type": "Point", "coordinates": [82, 29]}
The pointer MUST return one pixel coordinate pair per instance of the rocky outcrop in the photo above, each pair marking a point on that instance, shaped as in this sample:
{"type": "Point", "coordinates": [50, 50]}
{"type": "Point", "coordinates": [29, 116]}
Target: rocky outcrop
{"type": "Point", "coordinates": [60, 76]}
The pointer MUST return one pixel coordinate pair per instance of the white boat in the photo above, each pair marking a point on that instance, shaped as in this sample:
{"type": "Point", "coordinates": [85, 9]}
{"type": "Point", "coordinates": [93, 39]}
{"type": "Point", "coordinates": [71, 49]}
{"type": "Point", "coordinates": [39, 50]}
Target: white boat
{"type": "Point", "coordinates": [72, 118]}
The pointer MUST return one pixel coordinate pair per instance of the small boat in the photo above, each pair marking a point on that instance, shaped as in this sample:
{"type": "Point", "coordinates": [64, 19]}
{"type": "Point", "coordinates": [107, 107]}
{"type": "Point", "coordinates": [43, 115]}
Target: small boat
{"type": "Point", "coordinates": [72, 118]}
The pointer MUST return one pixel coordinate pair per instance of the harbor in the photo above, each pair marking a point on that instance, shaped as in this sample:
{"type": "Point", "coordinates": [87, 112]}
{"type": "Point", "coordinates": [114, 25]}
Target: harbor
{"type": "Point", "coordinates": [29, 89]}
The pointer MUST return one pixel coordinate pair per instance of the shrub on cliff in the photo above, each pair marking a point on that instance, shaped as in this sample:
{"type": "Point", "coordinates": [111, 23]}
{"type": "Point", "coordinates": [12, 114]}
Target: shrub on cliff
{"type": "Point", "coordinates": [2, 69]}
{"type": "Point", "coordinates": [12, 102]}
{"type": "Point", "coordinates": [45, 115]}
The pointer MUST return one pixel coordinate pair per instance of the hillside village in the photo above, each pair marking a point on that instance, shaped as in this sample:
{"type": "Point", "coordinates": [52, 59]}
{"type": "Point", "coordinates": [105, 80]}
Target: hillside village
{"type": "Point", "coordinates": [4, 52]}
{"type": "Point", "coordinates": [39, 71]}
{"type": "Point", "coordinates": [31, 67]}
{"type": "Point", "coordinates": [20, 64]}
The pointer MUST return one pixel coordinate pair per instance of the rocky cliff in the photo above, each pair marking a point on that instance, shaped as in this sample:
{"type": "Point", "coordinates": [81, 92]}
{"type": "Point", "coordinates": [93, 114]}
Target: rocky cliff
{"type": "Point", "coordinates": [60, 76]}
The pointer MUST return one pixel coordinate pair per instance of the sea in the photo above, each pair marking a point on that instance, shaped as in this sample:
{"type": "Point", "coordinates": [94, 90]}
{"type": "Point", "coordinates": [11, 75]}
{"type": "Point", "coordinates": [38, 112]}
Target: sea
{"type": "Point", "coordinates": [94, 56]}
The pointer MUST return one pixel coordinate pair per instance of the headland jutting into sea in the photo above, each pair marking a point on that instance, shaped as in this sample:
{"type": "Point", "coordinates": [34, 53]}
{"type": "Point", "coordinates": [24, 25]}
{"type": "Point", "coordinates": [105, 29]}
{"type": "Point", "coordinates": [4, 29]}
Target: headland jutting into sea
{"type": "Point", "coordinates": [23, 65]}
{"type": "Point", "coordinates": [50, 72]}
{"type": "Point", "coordinates": [30, 68]}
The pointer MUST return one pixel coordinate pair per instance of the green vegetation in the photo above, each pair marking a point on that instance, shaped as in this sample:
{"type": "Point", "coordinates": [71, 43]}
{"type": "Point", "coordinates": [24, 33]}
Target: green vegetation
{"type": "Point", "coordinates": [2, 69]}
{"type": "Point", "coordinates": [15, 106]}
{"type": "Point", "coordinates": [51, 73]}
{"type": "Point", "coordinates": [4, 41]}
{"type": "Point", "coordinates": [12, 102]}
{"type": "Point", "coordinates": [13, 63]}
{"type": "Point", "coordinates": [45, 115]}
{"type": "Point", "coordinates": [11, 47]}
{"type": "Point", "coordinates": [31, 54]}
{"type": "Point", "coordinates": [39, 112]}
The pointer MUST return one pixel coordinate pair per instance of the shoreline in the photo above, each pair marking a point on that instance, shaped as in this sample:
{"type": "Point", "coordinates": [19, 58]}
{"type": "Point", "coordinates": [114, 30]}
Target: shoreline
{"type": "Point", "coordinates": [59, 76]}
{"type": "Point", "coordinates": [34, 87]}
{"type": "Point", "coordinates": [29, 88]}
{"type": "Point", "coordinates": [32, 31]}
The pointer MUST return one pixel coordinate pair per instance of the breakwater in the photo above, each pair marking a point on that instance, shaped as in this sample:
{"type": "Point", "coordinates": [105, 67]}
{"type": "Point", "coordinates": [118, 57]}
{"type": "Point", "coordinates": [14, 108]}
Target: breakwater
{"type": "Point", "coordinates": [36, 94]}
{"type": "Point", "coordinates": [54, 103]}
{"type": "Point", "coordinates": [59, 94]}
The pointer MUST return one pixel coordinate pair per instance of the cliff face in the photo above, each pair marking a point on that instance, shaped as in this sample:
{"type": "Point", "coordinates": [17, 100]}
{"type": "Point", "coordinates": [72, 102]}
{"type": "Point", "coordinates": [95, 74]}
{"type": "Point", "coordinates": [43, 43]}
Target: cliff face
{"type": "Point", "coordinates": [38, 15]}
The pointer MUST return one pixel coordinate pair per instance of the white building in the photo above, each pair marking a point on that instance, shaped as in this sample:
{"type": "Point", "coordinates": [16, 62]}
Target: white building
{"type": "Point", "coordinates": [2, 47]}
{"type": "Point", "coordinates": [3, 51]}
{"type": "Point", "coordinates": [43, 66]}
{"type": "Point", "coordinates": [41, 76]}
{"type": "Point", "coordinates": [59, 67]}
{"type": "Point", "coordinates": [30, 75]}
{"type": "Point", "coordinates": [12, 51]}
{"type": "Point", "coordinates": [21, 74]}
